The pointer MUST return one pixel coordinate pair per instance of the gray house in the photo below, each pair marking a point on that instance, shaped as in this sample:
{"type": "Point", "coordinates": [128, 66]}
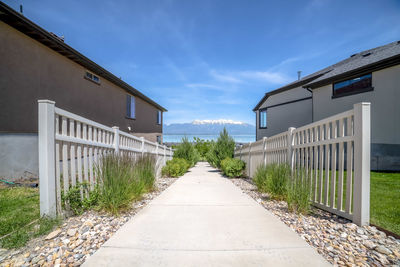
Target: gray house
{"type": "Point", "coordinates": [369, 76]}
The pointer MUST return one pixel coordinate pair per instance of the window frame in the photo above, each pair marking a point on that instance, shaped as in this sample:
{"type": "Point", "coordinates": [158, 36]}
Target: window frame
{"type": "Point", "coordinates": [90, 76]}
{"type": "Point", "coordinates": [159, 117]}
{"type": "Point", "coordinates": [355, 92]}
{"type": "Point", "coordinates": [259, 118]}
{"type": "Point", "coordinates": [128, 114]}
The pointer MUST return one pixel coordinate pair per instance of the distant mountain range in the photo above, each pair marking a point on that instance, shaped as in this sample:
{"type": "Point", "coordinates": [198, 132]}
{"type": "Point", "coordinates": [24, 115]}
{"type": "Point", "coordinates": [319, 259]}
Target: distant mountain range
{"type": "Point", "coordinates": [209, 127]}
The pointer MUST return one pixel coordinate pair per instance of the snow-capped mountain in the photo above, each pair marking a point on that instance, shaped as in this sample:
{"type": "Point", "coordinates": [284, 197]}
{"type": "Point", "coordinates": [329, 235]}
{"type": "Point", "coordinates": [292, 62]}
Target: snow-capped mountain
{"type": "Point", "coordinates": [220, 121]}
{"type": "Point", "coordinates": [209, 127]}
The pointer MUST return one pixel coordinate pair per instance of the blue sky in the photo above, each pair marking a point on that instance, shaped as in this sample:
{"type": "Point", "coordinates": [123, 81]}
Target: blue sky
{"type": "Point", "coordinates": [213, 59]}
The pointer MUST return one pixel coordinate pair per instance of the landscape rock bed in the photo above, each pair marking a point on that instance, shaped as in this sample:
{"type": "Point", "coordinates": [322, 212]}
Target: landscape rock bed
{"type": "Point", "coordinates": [77, 238]}
{"type": "Point", "coordinates": [341, 242]}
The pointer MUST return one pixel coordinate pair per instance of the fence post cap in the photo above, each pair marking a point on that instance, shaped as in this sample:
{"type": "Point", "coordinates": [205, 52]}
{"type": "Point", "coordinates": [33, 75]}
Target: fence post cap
{"type": "Point", "coordinates": [46, 101]}
{"type": "Point", "coordinates": [115, 127]}
{"type": "Point", "coordinates": [362, 104]}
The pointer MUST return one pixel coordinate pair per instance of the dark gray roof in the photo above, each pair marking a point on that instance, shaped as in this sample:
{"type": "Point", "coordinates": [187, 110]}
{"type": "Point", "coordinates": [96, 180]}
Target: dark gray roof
{"type": "Point", "coordinates": [368, 60]}
{"type": "Point", "coordinates": [24, 25]}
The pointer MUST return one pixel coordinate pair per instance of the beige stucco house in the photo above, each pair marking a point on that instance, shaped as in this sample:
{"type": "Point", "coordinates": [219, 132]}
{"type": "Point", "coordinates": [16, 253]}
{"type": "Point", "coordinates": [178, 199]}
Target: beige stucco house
{"type": "Point", "coordinates": [369, 76]}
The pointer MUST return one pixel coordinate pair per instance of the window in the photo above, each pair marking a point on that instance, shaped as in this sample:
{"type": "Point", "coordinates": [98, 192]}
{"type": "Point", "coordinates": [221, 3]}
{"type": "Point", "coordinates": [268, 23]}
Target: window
{"type": "Point", "coordinates": [353, 86]}
{"type": "Point", "coordinates": [159, 117]}
{"type": "Point", "coordinates": [159, 139]}
{"type": "Point", "coordinates": [263, 118]}
{"type": "Point", "coordinates": [91, 77]}
{"type": "Point", "coordinates": [130, 107]}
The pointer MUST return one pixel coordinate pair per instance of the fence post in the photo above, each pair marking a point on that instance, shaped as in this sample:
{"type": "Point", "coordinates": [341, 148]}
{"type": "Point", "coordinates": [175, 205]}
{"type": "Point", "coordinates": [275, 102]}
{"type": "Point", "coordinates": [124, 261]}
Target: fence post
{"type": "Point", "coordinates": [142, 147]}
{"type": "Point", "coordinates": [116, 140]}
{"type": "Point", "coordinates": [165, 156]}
{"type": "Point", "coordinates": [240, 155]}
{"type": "Point", "coordinates": [250, 159]}
{"type": "Point", "coordinates": [290, 155]}
{"type": "Point", "coordinates": [265, 150]}
{"type": "Point", "coordinates": [362, 153]}
{"type": "Point", "coordinates": [47, 162]}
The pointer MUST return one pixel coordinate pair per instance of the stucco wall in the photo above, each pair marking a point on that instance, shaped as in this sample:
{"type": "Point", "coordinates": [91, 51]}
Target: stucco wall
{"type": "Point", "coordinates": [18, 156]}
{"type": "Point", "coordinates": [385, 114]}
{"type": "Point", "coordinates": [30, 71]}
{"type": "Point", "coordinates": [281, 117]}
{"type": "Point", "coordinates": [385, 107]}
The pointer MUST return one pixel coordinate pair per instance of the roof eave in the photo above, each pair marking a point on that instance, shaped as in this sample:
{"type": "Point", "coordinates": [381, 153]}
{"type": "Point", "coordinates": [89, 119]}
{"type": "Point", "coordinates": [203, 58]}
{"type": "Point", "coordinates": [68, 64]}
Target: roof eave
{"type": "Point", "coordinates": [382, 64]}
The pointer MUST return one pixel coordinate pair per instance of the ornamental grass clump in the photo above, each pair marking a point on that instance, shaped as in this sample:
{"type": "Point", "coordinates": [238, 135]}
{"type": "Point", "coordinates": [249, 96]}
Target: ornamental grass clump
{"type": "Point", "coordinates": [232, 167]}
{"type": "Point", "coordinates": [298, 193]}
{"type": "Point", "coordinates": [123, 179]}
{"type": "Point", "coordinates": [175, 167]}
{"type": "Point", "coordinates": [273, 179]}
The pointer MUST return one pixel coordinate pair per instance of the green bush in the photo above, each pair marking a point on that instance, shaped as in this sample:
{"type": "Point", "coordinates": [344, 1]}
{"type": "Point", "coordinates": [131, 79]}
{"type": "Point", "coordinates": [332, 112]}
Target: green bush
{"type": "Point", "coordinates": [298, 193]}
{"type": "Point", "coordinates": [232, 167]}
{"type": "Point", "coordinates": [223, 148]}
{"type": "Point", "coordinates": [185, 150]}
{"type": "Point", "coordinates": [273, 179]}
{"type": "Point", "coordinates": [80, 198]}
{"type": "Point", "coordinates": [203, 147]}
{"type": "Point", "coordinates": [175, 167]}
{"type": "Point", "coordinates": [123, 179]}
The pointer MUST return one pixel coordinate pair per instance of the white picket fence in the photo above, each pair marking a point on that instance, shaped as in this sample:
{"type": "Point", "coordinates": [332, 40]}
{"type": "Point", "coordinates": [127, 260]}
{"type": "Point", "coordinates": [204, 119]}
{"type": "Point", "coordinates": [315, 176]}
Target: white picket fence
{"type": "Point", "coordinates": [333, 152]}
{"type": "Point", "coordinates": [71, 146]}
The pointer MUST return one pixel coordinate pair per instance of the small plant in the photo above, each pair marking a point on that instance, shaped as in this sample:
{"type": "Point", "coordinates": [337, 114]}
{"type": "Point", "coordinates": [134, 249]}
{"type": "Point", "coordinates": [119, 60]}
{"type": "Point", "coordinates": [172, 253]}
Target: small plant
{"type": "Point", "coordinates": [185, 150]}
{"type": "Point", "coordinates": [273, 179]}
{"type": "Point", "coordinates": [80, 198]}
{"type": "Point", "coordinates": [298, 193]}
{"type": "Point", "coordinates": [232, 167]}
{"type": "Point", "coordinates": [175, 167]}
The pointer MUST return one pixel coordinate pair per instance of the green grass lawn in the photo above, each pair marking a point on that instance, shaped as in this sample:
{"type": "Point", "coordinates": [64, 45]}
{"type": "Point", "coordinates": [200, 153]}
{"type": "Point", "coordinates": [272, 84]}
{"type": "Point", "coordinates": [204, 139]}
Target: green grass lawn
{"type": "Point", "coordinates": [385, 200]}
{"type": "Point", "coordinates": [18, 207]}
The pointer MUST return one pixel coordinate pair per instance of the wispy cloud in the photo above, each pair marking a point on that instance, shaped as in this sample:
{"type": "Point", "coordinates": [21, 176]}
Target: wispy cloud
{"type": "Point", "coordinates": [235, 77]}
{"type": "Point", "coordinates": [225, 77]}
{"type": "Point", "coordinates": [266, 76]}
{"type": "Point", "coordinates": [202, 85]}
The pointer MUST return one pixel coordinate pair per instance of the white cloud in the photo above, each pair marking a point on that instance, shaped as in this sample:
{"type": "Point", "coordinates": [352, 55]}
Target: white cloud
{"type": "Point", "coordinates": [202, 85]}
{"type": "Point", "coordinates": [267, 76]}
{"type": "Point", "coordinates": [225, 77]}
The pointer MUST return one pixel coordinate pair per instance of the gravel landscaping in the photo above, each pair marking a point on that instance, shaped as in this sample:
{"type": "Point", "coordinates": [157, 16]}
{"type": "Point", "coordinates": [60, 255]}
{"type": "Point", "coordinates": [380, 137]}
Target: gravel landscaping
{"type": "Point", "coordinates": [77, 238]}
{"type": "Point", "coordinates": [341, 242]}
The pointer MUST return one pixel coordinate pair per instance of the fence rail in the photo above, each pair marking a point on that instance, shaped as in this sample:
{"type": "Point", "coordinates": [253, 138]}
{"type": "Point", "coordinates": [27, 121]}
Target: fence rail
{"type": "Point", "coordinates": [71, 146]}
{"type": "Point", "coordinates": [334, 153]}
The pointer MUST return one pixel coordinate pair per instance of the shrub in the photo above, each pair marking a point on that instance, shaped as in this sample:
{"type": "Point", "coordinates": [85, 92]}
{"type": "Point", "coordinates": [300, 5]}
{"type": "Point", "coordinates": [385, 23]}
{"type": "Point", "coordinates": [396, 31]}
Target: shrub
{"type": "Point", "coordinates": [298, 193]}
{"type": "Point", "coordinates": [223, 148]}
{"type": "Point", "coordinates": [232, 167]}
{"type": "Point", "coordinates": [175, 167]}
{"type": "Point", "coordinates": [203, 147]}
{"type": "Point", "coordinates": [185, 150]}
{"type": "Point", "coordinates": [80, 198]}
{"type": "Point", "coordinates": [273, 179]}
{"type": "Point", "coordinates": [211, 157]}
{"type": "Point", "coordinates": [123, 179]}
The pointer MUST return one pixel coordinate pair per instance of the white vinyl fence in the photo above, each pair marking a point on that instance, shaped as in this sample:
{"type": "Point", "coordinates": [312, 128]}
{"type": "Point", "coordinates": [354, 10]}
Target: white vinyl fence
{"type": "Point", "coordinates": [333, 152]}
{"type": "Point", "coordinates": [71, 146]}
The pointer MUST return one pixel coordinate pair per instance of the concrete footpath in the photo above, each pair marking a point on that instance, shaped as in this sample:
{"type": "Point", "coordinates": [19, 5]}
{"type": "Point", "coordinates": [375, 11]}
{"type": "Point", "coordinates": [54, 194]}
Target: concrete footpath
{"type": "Point", "coordinates": [203, 219]}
